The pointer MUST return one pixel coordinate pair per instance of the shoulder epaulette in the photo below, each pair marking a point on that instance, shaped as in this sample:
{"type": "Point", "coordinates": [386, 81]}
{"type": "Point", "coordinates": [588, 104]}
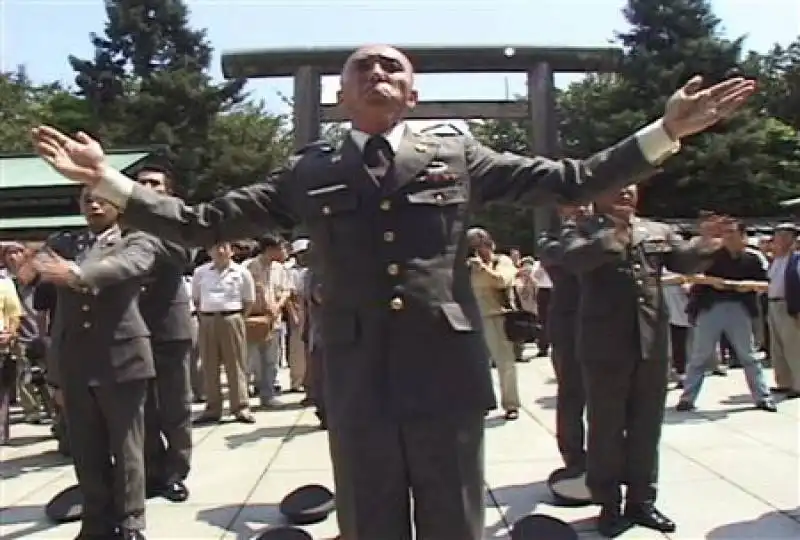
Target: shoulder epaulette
{"type": "Point", "coordinates": [321, 146]}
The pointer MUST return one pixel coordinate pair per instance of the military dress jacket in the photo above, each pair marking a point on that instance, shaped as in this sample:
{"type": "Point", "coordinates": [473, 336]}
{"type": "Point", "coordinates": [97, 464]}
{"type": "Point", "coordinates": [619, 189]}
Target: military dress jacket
{"type": "Point", "coordinates": [99, 336]}
{"type": "Point", "coordinates": [621, 313]}
{"type": "Point", "coordinates": [164, 301]}
{"type": "Point", "coordinates": [400, 324]}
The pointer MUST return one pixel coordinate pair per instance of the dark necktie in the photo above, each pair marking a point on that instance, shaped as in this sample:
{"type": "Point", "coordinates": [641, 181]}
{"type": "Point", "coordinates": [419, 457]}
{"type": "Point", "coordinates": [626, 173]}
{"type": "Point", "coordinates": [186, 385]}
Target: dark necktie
{"type": "Point", "coordinates": [378, 152]}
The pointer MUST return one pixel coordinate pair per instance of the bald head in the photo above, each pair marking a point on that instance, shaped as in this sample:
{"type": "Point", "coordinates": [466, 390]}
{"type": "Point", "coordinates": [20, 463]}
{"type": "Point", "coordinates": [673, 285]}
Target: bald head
{"type": "Point", "coordinates": [377, 87]}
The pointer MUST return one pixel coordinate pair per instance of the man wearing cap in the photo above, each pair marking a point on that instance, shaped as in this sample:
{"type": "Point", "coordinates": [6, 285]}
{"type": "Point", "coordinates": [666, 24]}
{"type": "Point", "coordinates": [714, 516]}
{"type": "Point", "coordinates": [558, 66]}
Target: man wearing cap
{"type": "Point", "coordinates": [783, 311]}
{"type": "Point", "coordinates": [387, 212]}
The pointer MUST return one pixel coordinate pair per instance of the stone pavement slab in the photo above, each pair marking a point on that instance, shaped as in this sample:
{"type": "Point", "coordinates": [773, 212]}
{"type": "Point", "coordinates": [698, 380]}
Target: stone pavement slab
{"type": "Point", "coordinates": [727, 471]}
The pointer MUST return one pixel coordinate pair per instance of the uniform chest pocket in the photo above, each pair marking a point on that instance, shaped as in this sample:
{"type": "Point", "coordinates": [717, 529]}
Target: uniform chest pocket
{"type": "Point", "coordinates": [334, 212]}
{"type": "Point", "coordinates": [436, 210]}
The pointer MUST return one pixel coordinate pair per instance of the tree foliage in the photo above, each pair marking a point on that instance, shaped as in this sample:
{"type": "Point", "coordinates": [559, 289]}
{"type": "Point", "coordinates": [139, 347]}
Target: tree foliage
{"type": "Point", "coordinates": [744, 166]}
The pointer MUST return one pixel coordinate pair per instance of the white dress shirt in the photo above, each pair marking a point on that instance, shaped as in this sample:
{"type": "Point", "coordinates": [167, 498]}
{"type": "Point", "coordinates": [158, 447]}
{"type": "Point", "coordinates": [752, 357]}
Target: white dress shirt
{"type": "Point", "coordinates": [541, 277]}
{"type": "Point", "coordinates": [228, 289]}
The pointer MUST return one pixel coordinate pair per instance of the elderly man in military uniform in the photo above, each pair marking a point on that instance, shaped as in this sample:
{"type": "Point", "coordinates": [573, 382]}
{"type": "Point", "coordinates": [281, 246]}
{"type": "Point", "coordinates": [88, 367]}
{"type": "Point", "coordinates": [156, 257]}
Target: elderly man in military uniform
{"type": "Point", "coordinates": [165, 306]}
{"type": "Point", "coordinates": [387, 213]}
{"type": "Point", "coordinates": [103, 363]}
{"type": "Point", "coordinates": [623, 345]}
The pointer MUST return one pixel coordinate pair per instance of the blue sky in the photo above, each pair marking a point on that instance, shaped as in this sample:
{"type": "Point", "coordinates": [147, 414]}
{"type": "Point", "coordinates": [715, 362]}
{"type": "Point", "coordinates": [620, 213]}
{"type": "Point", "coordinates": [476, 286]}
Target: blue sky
{"type": "Point", "coordinates": [41, 33]}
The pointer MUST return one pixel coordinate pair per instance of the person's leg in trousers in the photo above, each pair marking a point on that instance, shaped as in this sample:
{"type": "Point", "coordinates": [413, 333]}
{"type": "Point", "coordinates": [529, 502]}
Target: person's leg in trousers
{"type": "Point", "coordinates": [27, 395]}
{"type": "Point", "coordinates": [154, 448]}
{"type": "Point", "coordinates": [705, 336]}
{"type": "Point", "coordinates": [233, 349]}
{"type": "Point", "coordinates": [123, 409]}
{"type": "Point", "coordinates": [8, 372]}
{"type": "Point", "coordinates": [268, 357]}
{"type": "Point", "coordinates": [543, 309]}
{"type": "Point", "coordinates": [779, 332]}
{"type": "Point", "coordinates": [317, 372]}
{"type": "Point", "coordinates": [738, 325]}
{"type": "Point", "coordinates": [570, 405]}
{"type": "Point", "coordinates": [175, 407]}
{"type": "Point", "coordinates": [297, 357]}
{"type": "Point", "coordinates": [679, 338]}
{"type": "Point", "coordinates": [196, 364]}
{"type": "Point", "coordinates": [608, 383]}
{"type": "Point", "coordinates": [212, 362]}
{"type": "Point", "coordinates": [446, 467]}
{"type": "Point", "coordinates": [371, 482]}
{"type": "Point", "coordinates": [645, 417]}
{"type": "Point", "coordinates": [502, 351]}
{"type": "Point", "coordinates": [91, 456]}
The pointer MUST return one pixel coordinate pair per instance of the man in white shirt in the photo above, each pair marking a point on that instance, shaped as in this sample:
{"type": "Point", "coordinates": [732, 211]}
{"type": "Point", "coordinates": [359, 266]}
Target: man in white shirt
{"type": "Point", "coordinates": [296, 350]}
{"type": "Point", "coordinates": [223, 292]}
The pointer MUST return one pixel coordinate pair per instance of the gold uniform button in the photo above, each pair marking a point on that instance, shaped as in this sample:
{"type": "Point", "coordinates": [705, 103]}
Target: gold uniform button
{"type": "Point", "coordinates": [388, 236]}
{"type": "Point", "coordinates": [639, 282]}
{"type": "Point", "coordinates": [386, 205]}
{"type": "Point", "coordinates": [87, 324]}
{"type": "Point", "coordinates": [637, 266]}
{"type": "Point", "coordinates": [144, 288]}
{"type": "Point", "coordinates": [393, 269]}
{"type": "Point", "coordinates": [642, 300]}
{"type": "Point", "coordinates": [397, 304]}
{"type": "Point", "coordinates": [85, 307]}
{"type": "Point", "coordinates": [326, 210]}
{"type": "Point", "coordinates": [438, 197]}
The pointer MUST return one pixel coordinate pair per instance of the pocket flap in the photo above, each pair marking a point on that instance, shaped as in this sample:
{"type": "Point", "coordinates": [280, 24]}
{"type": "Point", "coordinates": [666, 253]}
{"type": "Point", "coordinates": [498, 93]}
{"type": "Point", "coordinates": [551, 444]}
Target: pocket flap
{"type": "Point", "coordinates": [330, 203]}
{"type": "Point", "coordinates": [456, 317]}
{"type": "Point", "coordinates": [438, 196]}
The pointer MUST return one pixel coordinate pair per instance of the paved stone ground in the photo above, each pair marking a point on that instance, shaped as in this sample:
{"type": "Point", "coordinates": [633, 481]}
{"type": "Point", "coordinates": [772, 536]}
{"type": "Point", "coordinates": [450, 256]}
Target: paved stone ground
{"type": "Point", "coordinates": [728, 472]}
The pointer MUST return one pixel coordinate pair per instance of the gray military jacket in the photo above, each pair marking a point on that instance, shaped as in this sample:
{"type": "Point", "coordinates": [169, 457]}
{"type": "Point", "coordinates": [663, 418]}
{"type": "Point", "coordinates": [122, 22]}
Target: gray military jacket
{"type": "Point", "coordinates": [621, 311]}
{"type": "Point", "coordinates": [401, 327]}
{"type": "Point", "coordinates": [99, 335]}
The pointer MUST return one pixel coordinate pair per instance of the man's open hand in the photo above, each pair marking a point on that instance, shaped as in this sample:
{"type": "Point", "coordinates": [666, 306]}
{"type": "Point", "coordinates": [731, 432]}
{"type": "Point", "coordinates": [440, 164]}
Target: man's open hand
{"type": "Point", "coordinates": [80, 159]}
{"type": "Point", "coordinates": [692, 109]}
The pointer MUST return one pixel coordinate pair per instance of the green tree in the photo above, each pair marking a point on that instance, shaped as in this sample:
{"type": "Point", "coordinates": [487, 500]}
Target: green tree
{"type": "Point", "coordinates": [244, 146]}
{"type": "Point", "coordinates": [148, 84]}
{"type": "Point", "coordinates": [779, 80]}
{"type": "Point", "coordinates": [24, 105]}
{"type": "Point", "coordinates": [668, 42]}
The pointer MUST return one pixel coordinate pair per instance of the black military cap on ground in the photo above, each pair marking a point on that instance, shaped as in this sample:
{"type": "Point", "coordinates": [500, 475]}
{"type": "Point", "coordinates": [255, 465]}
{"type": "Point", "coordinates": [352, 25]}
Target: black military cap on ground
{"type": "Point", "coordinates": [542, 527]}
{"type": "Point", "coordinates": [284, 533]}
{"type": "Point", "coordinates": [307, 504]}
{"type": "Point", "coordinates": [568, 487]}
{"type": "Point", "coordinates": [66, 506]}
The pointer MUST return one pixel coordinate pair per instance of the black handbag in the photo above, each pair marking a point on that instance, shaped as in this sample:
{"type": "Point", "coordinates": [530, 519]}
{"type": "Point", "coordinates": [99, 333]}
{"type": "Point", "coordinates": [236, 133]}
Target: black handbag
{"type": "Point", "coordinates": [520, 326]}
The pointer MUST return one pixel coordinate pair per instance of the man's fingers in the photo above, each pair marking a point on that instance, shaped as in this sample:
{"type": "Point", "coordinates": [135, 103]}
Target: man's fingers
{"type": "Point", "coordinates": [47, 132]}
{"type": "Point", "coordinates": [730, 85]}
{"type": "Point", "coordinates": [693, 85]}
{"type": "Point", "coordinates": [732, 101]}
{"type": "Point", "coordinates": [82, 137]}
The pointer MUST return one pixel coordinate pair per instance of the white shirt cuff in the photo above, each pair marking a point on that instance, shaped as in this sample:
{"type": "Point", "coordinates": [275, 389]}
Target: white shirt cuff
{"type": "Point", "coordinates": [655, 144]}
{"type": "Point", "coordinates": [115, 187]}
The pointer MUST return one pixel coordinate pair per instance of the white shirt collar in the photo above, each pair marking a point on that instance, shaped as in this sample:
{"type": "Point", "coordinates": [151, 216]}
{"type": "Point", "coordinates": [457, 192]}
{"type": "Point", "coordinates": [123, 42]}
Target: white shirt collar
{"type": "Point", "coordinates": [394, 136]}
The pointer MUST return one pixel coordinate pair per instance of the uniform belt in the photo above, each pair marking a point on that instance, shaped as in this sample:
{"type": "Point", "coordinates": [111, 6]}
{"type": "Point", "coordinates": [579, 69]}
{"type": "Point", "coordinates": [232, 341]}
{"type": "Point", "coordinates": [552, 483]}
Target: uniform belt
{"type": "Point", "coordinates": [775, 299]}
{"type": "Point", "coordinates": [220, 313]}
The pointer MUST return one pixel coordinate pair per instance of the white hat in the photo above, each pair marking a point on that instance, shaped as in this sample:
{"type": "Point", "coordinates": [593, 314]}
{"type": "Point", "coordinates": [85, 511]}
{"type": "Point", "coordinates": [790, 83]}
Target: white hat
{"type": "Point", "coordinates": [300, 245]}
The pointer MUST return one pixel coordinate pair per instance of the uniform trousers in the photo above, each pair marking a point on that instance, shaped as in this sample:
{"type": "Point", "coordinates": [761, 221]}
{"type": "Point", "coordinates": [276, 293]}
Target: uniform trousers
{"type": "Point", "coordinates": [784, 345]}
{"type": "Point", "coordinates": [439, 460]}
{"type": "Point", "coordinates": [570, 395]}
{"type": "Point", "coordinates": [195, 363]}
{"type": "Point", "coordinates": [625, 398]}
{"type": "Point", "coordinates": [502, 352]}
{"type": "Point", "coordinates": [106, 432]}
{"type": "Point", "coordinates": [223, 344]}
{"type": "Point", "coordinates": [168, 414]}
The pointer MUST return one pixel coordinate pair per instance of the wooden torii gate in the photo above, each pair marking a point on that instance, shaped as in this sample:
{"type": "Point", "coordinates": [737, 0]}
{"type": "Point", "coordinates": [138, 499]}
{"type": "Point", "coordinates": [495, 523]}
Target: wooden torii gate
{"type": "Point", "coordinates": [308, 65]}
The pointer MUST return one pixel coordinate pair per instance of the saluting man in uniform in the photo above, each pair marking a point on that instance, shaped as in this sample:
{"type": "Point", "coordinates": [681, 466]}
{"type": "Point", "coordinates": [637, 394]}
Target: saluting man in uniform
{"type": "Point", "coordinates": [386, 213]}
{"type": "Point", "coordinates": [165, 306]}
{"type": "Point", "coordinates": [623, 332]}
{"type": "Point", "coordinates": [103, 363]}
